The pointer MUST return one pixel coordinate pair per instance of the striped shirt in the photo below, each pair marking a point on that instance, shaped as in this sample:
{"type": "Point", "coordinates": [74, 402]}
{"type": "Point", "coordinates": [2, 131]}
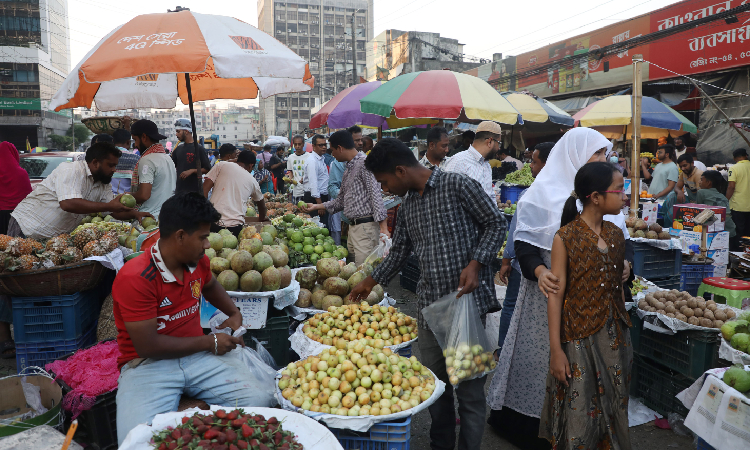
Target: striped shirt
{"type": "Point", "coordinates": [39, 215]}
{"type": "Point", "coordinates": [472, 164]}
{"type": "Point", "coordinates": [448, 226]}
{"type": "Point", "coordinates": [360, 195]}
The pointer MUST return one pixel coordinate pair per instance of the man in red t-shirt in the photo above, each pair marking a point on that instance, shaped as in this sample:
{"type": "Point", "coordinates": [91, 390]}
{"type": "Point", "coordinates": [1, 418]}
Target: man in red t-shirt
{"type": "Point", "coordinates": [163, 351]}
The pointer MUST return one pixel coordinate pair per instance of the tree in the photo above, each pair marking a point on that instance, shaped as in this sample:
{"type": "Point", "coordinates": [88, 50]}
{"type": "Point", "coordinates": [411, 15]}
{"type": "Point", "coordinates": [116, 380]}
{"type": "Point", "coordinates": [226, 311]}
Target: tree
{"type": "Point", "coordinates": [81, 133]}
{"type": "Point", "coordinates": [61, 142]}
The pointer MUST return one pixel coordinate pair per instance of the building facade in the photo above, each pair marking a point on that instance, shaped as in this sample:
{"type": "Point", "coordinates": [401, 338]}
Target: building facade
{"type": "Point", "coordinates": [320, 31]}
{"type": "Point", "coordinates": [34, 61]}
{"type": "Point", "coordinates": [394, 52]}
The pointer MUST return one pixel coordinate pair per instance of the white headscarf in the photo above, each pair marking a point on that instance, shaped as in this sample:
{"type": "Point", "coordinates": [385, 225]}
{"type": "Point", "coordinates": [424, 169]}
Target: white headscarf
{"type": "Point", "coordinates": [540, 208]}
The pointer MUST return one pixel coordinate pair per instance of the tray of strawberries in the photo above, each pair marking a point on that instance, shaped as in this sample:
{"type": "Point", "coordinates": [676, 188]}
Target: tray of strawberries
{"type": "Point", "coordinates": [224, 428]}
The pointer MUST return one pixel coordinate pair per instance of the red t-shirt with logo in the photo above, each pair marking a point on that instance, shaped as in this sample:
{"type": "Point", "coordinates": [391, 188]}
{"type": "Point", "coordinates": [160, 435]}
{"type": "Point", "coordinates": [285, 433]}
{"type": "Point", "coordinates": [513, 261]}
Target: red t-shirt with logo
{"type": "Point", "coordinates": [141, 293]}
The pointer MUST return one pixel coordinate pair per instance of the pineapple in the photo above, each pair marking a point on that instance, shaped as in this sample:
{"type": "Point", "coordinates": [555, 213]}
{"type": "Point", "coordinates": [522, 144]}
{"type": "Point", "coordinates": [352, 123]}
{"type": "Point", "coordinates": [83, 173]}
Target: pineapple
{"type": "Point", "coordinates": [108, 243]}
{"type": "Point", "coordinates": [71, 255]}
{"type": "Point", "coordinates": [26, 262]}
{"type": "Point", "coordinates": [36, 246]}
{"type": "Point", "coordinates": [50, 256]}
{"type": "Point", "coordinates": [5, 261]}
{"type": "Point", "coordinates": [94, 248]}
{"type": "Point", "coordinates": [84, 236]}
{"type": "Point", "coordinates": [58, 244]}
{"type": "Point", "coordinates": [19, 247]}
{"type": "Point", "coordinates": [4, 240]}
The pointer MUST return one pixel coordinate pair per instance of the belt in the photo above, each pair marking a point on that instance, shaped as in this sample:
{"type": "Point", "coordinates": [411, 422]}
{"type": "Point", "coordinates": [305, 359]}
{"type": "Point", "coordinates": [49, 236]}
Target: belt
{"type": "Point", "coordinates": [362, 220]}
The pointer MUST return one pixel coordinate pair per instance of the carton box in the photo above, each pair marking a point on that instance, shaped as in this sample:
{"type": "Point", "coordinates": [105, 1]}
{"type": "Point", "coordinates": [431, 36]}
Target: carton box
{"type": "Point", "coordinates": [720, 270]}
{"type": "Point", "coordinates": [714, 241]}
{"type": "Point", "coordinates": [683, 216]}
{"type": "Point", "coordinates": [719, 256]}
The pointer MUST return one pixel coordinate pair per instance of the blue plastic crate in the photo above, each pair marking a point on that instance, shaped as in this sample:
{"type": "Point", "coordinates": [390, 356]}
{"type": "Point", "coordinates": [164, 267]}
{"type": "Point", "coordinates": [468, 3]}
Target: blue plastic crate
{"type": "Point", "coordinates": [654, 263]}
{"type": "Point", "coordinates": [700, 444]}
{"type": "Point", "coordinates": [668, 283]}
{"type": "Point", "coordinates": [54, 318]}
{"type": "Point", "coordinates": [405, 352]}
{"type": "Point", "coordinates": [511, 193]}
{"type": "Point", "coordinates": [692, 276]}
{"type": "Point", "coordinates": [382, 436]}
{"type": "Point", "coordinates": [40, 353]}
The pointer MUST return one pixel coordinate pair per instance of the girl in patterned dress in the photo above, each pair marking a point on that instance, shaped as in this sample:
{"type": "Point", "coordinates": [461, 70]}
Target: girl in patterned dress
{"type": "Point", "coordinates": [586, 402]}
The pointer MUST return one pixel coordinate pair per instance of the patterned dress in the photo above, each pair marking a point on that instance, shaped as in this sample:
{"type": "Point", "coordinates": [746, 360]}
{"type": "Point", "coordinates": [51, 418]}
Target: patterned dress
{"type": "Point", "coordinates": [591, 413]}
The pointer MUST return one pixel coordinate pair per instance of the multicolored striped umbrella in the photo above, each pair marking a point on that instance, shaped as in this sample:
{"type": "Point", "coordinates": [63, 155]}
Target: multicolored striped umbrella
{"type": "Point", "coordinates": [343, 111]}
{"type": "Point", "coordinates": [539, 110]}
{"type": "Point", "coordinates": [613, 117]}
{"type": "Point", "coordinates": [440, 94]}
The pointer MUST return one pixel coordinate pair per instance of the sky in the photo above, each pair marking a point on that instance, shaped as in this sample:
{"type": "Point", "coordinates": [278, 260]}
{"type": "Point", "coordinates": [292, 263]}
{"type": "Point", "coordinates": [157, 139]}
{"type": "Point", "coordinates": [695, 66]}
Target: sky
{"type": "Point", "coordinates": [483, 26]}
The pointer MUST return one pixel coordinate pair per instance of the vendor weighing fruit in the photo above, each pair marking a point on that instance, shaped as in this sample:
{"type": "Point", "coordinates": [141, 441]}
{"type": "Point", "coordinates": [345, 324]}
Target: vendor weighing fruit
{"type": "Point", "coordinates": [73, 190]}
{"type": "Point", "coordinates": [163, 351]}
{"type": "Point", "coordinates": [456, 231]}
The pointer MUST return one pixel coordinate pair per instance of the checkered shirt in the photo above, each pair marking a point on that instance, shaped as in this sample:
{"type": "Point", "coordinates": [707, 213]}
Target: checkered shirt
{"type": "Point", "coordinates": [360, 195]}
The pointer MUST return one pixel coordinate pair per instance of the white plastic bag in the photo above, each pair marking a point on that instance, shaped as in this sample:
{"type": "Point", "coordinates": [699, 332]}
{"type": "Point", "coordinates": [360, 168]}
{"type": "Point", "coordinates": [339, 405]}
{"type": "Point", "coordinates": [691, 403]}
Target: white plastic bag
{"type": "Point", "coordinates": [265, 355]}
{"type": "Point", "coordinates": [376, 257]}
{"type": "Point", "coordinates": [456, 324]}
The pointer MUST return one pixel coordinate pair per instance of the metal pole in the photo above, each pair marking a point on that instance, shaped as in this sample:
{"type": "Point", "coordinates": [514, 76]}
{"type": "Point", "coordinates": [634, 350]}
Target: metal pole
{"type": "Point", "coordinates": [73, 129]}
{"type": "Point", "coordinates": [635, 187]}
{"type": "Point", "coordinates": [199, 172]}
{"type": "Point", "coordinates": [729, 122]}
{"type": "Point", "coordinates": [354, 52]}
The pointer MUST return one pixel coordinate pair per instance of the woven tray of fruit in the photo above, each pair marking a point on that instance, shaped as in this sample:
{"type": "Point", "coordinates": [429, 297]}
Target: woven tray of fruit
{"type": "Point", "coordinates": [229, 427]}
{"type": "Point", "coordinates": [355, 391]}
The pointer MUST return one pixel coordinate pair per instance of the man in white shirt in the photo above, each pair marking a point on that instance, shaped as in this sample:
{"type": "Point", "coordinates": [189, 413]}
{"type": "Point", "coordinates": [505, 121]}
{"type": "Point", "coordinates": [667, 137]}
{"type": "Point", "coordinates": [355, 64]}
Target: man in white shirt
{"type": "Point", "coordinates": [73, 190]}
{"type": "Point", "coordinates": [315, 181]}
{"type": "Point", "coordinates": [232, 185]}
{"type": "Point", "coordinates": [295, 167]}
{"type": "Point", "coordinates": [473, 162]}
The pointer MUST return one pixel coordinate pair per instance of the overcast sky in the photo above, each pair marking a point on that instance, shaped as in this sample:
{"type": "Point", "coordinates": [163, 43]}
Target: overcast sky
{"type": "Point", "coordinates": [484, 26]}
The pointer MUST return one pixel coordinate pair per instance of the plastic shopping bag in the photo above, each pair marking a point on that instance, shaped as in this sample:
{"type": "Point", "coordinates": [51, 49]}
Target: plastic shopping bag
{"type": "Point", "coordinates": [376, 257]}
{"type": "Point", "coordinates": [458, 329]}
{"type": "Point", "coordinates": [265, 355]}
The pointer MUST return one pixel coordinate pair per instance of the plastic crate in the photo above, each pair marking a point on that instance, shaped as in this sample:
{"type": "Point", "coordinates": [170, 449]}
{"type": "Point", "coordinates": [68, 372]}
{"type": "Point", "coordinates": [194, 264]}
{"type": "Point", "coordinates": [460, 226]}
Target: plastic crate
{"type": "Point", "coordinates": [653, 263]}
{"type": "Point", "coordinates": [54, 318]}
{"type": "Point", "coordinates": [658, 386]}
{"type": "Point", "coordinates": [98, 425]}
{"type": "Point", "coordinates": [690, 353]}
{"type": "Point", "coordinates": [511, 193]}
{"type": "Point", "coordinates": [405, 352]}
{"type": "Point", "coordinates": [381, 436]}
{"type": "Point", "coordinates": [673, 282]}
{"type": "Point", "coordinates": [700, 444]}
{"type": "Point", "coordinates": [41, 353]}
{"type": "Point", "coordinates": [692, 276]}
{"type": "Point", "coordinates": [635, 330]}
{"type": "Point", "coordinates": [274, 337]}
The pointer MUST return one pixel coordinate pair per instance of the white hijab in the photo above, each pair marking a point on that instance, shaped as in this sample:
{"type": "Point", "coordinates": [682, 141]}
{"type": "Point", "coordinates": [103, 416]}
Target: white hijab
{"type": "Point", "coordinates": [540, 208]}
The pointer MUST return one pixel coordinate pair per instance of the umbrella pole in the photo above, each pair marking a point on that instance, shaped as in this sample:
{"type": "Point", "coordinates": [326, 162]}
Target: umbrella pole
{"type": "Point", "coordinates": [635, 187]}
{"type": "Point", "coordinates": [195, 135]}
{"type": "Point", "coordinates": [380, 132]}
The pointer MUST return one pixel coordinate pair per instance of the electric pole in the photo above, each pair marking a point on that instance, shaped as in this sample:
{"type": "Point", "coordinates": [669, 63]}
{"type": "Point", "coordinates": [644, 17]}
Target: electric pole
{"type": "Point", "coordinates": [354, 51]}
{"type": "Point", "coordinates": [73, 128]}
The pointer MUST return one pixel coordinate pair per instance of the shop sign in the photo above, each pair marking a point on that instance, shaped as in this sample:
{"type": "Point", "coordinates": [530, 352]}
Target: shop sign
{"type": "Point", "coordinates": [20, 103]}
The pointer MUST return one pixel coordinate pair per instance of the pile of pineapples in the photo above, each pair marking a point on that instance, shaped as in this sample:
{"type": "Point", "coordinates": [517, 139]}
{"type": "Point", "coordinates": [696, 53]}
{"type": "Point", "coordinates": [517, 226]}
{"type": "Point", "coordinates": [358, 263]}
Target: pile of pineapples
{"type": "Point", "coordinates": [27, 254]}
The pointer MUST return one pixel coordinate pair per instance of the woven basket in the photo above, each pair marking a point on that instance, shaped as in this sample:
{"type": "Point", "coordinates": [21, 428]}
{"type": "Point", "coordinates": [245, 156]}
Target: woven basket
{"type": "Point", "coordinates": [58, 280]}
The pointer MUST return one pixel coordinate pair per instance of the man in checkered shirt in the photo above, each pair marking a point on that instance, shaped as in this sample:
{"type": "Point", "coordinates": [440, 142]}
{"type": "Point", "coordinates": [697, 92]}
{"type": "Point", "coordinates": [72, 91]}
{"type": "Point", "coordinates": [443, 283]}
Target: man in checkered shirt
{"type": "Point", "coordinates": [455, 230]}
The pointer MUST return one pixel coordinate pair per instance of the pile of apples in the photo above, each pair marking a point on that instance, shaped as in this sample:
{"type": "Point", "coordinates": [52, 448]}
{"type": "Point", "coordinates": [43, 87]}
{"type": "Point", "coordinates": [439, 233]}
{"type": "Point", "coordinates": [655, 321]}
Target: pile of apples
{"type": "Point", "coordinates": [465, 362]}
{"type": "Point", "coordinates": [380, 326]}
{"type": "Point", "coordinates": [356, 380]}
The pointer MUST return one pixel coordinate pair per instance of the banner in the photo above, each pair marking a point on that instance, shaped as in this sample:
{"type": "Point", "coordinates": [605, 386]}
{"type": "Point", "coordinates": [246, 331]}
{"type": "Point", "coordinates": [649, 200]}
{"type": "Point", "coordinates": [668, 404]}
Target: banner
{"type": "Point", "coordinates": [20, 103]}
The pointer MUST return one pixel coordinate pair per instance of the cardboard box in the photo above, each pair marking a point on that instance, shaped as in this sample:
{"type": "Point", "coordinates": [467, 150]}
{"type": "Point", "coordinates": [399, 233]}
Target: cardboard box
{"type": "Point", "coordinates": [682, 217]}
{"type": "Point", "coordinates": [720, 270]}
{"type": "Point", "coordinates": [714, 241]}
{"type": "Point", "coordinates": [13, 402]}
{"type": "Point", "coordinates": [254, 310]}
{"type": "Point", "coordinates": [719, 256]}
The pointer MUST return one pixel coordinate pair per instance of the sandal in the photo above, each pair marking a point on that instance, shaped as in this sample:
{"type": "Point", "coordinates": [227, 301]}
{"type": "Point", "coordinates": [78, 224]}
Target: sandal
{"type": "Point", "coordinates": [8, 349]}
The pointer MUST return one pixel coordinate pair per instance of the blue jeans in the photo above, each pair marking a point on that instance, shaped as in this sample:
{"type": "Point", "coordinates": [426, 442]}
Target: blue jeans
{"type": "Point", "coordinates": [509, 304]}
{"type": "Point", "coordinates": [155, 387]}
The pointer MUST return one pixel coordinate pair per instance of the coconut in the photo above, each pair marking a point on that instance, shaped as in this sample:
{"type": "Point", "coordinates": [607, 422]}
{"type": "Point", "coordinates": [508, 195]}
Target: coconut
{"type": "Point", "coordinates": [306, 278]}
{"type": "Point", "coordinates": [379, 289]}
{"type": "Point", "coordinates": [280, 259]}
{"type": "Point", "coordinates": [271, 279]}
{"type": "Point", "coordinates": [241, 262]}
{"type": "Point", "coordinates": [219, 265]}
{"type": "Point", "coordinates": [262, 261]}
{"type": "Point", "coordinates": [304, 299]}
{"type": "Point", "coordinates": [336, 286]}
{"type": "Point", "coordinates": [254, 245]}
{"type": "Point", "coordinates": [216, 241]}
{"type": "Point", "coordinates": [331, 300]}
{"type": "Point", "coordinates": [328, 267]}
{"type": "Point", "coordinates": [347, 271]}
{"type": "Point", "coordinates": [286, 276]}
{"type": "Point", "coordinates": [251, 281]}
{"type": "Point", "coordinates": [356, 279]}
{"type": "Point", "coordinates": [317, 299]}
{"type": "Point", "coordinates": [229, 280]}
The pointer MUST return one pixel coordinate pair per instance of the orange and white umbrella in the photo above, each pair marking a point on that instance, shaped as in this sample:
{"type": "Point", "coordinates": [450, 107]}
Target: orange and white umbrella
{"type": "Point", "coordinates": [142, 64]}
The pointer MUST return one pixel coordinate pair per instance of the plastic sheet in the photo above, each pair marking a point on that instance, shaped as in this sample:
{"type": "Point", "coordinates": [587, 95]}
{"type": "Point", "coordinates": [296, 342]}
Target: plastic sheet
{"type": "Point", "coordinates": [458, 329]}
{"type": "Point", "coordinates": [670, 244]}
{"type": "Point", "coordinates": [726, 351]}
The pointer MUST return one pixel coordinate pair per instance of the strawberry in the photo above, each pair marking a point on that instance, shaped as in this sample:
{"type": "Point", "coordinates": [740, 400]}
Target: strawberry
{"type": "Point", "coordinates": [221, 414]}
{"type": "Point", "coordinates": [163, 446]}
{"type": "Point", "coordinates": [172, 445]}
{"type": "Point", "coordinates": [273, 420]}
{"type": "Point", "coordinates": [232, 415]}
{"type": "Point", "coordinates": [176, 434]}
{"type": "Point", "coordinates": [233, 447]}
{"type": "Point", "coordinates": [185, 420]}
{"type": "Point", "coordinates": [204, 443]}
{"type": "Point", "coordinates": [221, 438]}
{"type": "Point", "coordinates": [263, 447]}
{"type": "Point", "coordinates": [211, 434]}
{"type": "Point", "coordinates": [242, 445]}
{"type": "Point", "coordinates": [247, 431]}
{"type": "Point", "coordinates": [197, 422]}
{"type": "Point", "coordinates": [231, 435]}
{"type": "Point", "coordinates": [237, 423]}
{"type": "Point", "coordinates": [254, 443]}
{"type": "Point", "coordinates": [200, 429]}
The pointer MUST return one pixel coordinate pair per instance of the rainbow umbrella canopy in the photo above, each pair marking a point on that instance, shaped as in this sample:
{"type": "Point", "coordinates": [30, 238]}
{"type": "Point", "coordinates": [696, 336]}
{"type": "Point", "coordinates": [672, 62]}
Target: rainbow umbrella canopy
{"type": "Point", "coordinates": [613, 117]}
{"type": "Point", "coordinates": [343, 111]}
{"type": "Point", "coordinates": [538, 110]}
{"type": "Point", "coordinates": [440, 94]}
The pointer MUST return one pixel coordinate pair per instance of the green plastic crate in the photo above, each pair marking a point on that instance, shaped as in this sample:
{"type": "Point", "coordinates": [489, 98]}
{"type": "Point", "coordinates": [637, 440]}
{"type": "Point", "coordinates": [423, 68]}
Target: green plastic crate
{"type": "Point", "coordinates": [658, 385]}
{"type": "Point", "coordinates": [274, 337]}
{"type": "Point", "coordinates": [635, 330]}
{"type": "Point", "coordinates": [690, 353]}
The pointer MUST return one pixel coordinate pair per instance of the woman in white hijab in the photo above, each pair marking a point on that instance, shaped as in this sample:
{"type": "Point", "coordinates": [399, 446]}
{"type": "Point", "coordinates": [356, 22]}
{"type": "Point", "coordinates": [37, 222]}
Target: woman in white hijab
{"type": "Point", "coordinates": [518, 385]}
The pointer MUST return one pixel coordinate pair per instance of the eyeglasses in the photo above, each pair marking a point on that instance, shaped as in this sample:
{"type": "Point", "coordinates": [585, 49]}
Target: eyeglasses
{"type": "Point", "coordinates": [493, 139]}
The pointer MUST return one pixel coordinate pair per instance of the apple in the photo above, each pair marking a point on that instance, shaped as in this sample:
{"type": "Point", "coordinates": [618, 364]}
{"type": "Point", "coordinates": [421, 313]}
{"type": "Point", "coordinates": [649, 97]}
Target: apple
{"type": "Point", "coordinates": [314, 392]}
{"type": "Point", "coordinates": [374, 396]}
{"type": "Point", "coordinates": [364, 399]}
{"type": "Point", "coordinates": [366, 382]}
{"type": "Point", "coordinates": [297, 400]}
{"type": "Point", "coordinates": [344, 386]}
{"type": "Point", "coordinates": [333, 401]}
{"type": "Point", "coordinates": [322, 366]}
{"type": "Point", "coordinates": [365, 371]}
{"type": "Point", "coordinates": [347, 402]}
{"type": "Point", "coordinates": [284, 382]}
{"type": "Point", "coordinates": [334, 384]}
{"type": "Point", "coordinates": [387, 377]}
{"type": "Point", "coordinates": [377, 387]}
{"type": "Point", "coordinates": [319, 376]}
{"type": "Point", "coordinates": [376, 375]}
{"type": "Point", "coordinates": [477, 349]}
{"type": "Point", "coordinates": [387, 393]}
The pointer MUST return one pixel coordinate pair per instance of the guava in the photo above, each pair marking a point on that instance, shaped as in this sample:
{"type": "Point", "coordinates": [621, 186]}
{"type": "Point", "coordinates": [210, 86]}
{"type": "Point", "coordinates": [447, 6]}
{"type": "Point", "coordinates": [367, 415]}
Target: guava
{"type": "Point", "coordinates": [737, 378]}
{"type": "Point", "coordinates": [740, 341]}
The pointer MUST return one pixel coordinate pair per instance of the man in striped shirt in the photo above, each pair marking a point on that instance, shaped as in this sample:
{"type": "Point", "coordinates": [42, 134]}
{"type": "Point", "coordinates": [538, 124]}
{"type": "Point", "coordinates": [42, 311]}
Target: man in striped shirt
{"type": "Point", "coordinates": [360, 199]}
{"type": "Point", "coordinates": [474, 161]}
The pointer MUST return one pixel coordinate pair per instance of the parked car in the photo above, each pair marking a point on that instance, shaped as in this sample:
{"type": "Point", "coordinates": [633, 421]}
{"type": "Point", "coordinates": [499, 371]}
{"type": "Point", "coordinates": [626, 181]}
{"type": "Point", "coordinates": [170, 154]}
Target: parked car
{"type": "Point", "coordinates": [40, 165]}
